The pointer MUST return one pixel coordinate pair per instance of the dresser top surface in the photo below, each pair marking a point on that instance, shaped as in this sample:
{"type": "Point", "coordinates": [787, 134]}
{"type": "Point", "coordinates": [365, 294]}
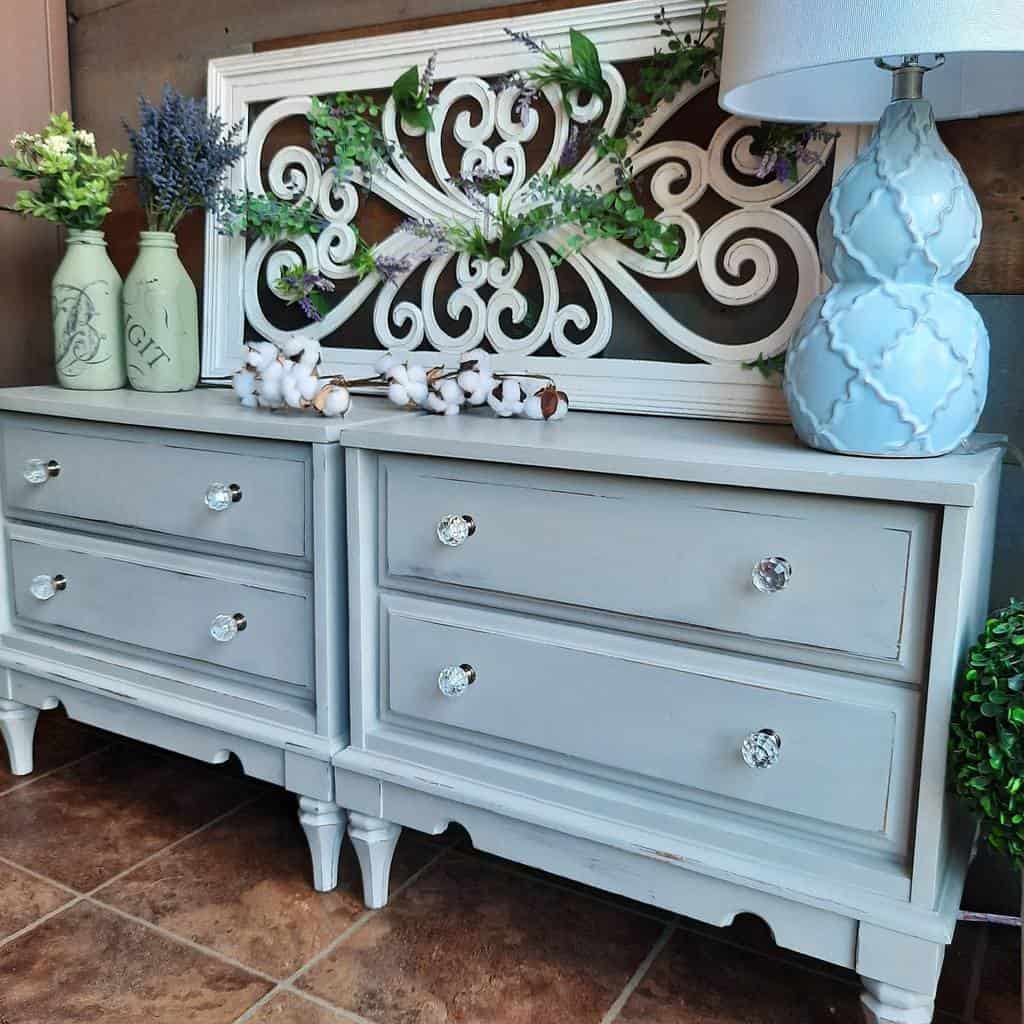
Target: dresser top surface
{"type": "Point", "coordinates": [699, 451]}
{"type": "Point", "coordinates": [207, 410]}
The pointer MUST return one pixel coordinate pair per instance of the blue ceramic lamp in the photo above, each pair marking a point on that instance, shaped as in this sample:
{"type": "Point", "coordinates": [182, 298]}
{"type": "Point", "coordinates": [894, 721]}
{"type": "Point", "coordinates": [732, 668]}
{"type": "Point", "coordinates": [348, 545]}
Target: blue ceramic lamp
{"type": "Point", "coordinates": [891, 360]}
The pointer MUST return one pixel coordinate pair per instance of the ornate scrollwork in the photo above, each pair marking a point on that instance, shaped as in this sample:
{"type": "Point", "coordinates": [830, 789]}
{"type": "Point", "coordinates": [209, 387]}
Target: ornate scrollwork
{"type": "Point", "coordinates": [488, 300]}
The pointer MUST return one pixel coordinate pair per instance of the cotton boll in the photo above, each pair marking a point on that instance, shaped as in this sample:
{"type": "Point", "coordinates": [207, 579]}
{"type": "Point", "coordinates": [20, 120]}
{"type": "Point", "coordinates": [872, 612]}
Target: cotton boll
{"type": "Point", "coordinates": [532, 408]}
{"type": "Point", "coordinates": [269, 389]}
{"type": "Point", "coordinates": [562, 408]}
{"type": "Point", "coordinates": [417, 383]}
{"type": "Point", "coordinates": [447, 398]}
{"type": "Point", "coordinates": [399, 394]}
{"type": "Point", "coordinates": [274, 373]}
{"type": "Point", "coordinates": [260, 354]}
{"type": "Point", "coordinates": [243, 383]}
{"type": "Point", "coordinates": [507, 398]}
{"type": "Point", "coordinates": [309, 385]}
{"type": "Point", "coordinates": [311, 354]}
{"type": "Point", "coordinates": [249, 401]}
{"type": "Point", "coordinates": [385, 364]}
{"type": "Point", "coordinates": [338, 402]}
{"type": "Point", "coordinates": [292, 345]}
{"type": "Point", "coordinates": [477, 385]}
{"type": "Point", "coordinates": [332, 400]}
{"type": "Point", "coordinates": [476, 359]}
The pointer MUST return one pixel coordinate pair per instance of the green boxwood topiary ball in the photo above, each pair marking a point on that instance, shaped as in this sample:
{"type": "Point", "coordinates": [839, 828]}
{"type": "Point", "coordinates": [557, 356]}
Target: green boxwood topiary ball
{"type": "Point", "coordinates": [987, 731]}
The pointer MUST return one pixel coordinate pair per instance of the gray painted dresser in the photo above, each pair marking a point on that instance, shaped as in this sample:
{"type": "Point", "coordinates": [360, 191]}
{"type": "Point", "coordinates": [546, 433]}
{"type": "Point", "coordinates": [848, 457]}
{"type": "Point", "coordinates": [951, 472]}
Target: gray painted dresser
{"type": "Point", "coordinates": [693, 663]}
{"type": "Point", "coordinates": [175, 572]}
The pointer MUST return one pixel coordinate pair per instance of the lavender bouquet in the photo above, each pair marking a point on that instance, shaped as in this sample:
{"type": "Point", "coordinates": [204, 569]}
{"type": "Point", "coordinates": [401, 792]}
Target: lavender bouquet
{"type": "Point", "coordinates": [182, 153]}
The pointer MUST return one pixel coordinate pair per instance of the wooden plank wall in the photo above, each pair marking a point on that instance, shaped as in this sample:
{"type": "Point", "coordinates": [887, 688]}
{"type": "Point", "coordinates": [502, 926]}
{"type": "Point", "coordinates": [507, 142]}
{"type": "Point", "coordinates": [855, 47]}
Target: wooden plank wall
{"type": "Point", "coordinates": [33, 81]}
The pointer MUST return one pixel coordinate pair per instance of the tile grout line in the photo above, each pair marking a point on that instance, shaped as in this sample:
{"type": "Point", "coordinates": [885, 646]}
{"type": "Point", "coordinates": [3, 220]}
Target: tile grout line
{"type": "Point", "coordinates": [40, 877]}
{"type": "Point", "coordinates": [78, 896]}
{"type": "Point", "coordinates": [288, 984]}
{"type": "Point", "coordinates": [34, 777]}
{"type": "Point", "coordinates": [197, 947]}
{"type": "Point", "coordinates": [174, 844]}
{"type": "Point", "coordinates": [38, 921]}
{"type": "Point", "coordinates": [640, 973]}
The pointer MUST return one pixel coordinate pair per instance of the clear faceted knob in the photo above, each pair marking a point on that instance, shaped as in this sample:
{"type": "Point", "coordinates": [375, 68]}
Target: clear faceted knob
{"type": "Point", "coordinates": [453, 679]}
{"type": "Point", "coordinates": [455, 530]}
{"type": "Point", "coordinates": [221, 496]}
{"type": "Point", "coordinates": [762, 749]}
{"type": "Point", "coordinates": [42, 588]}
{"type": "Point", "coordinates": [224, 628]}
{"type": "Point", "coordinates": [38, 471]}
{"type": "Point", "coordinates": [771, 574]}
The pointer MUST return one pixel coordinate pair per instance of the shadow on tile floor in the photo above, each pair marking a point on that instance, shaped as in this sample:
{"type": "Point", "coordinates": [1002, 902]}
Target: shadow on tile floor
{"type": "Point", "coordinates": [140, 886]}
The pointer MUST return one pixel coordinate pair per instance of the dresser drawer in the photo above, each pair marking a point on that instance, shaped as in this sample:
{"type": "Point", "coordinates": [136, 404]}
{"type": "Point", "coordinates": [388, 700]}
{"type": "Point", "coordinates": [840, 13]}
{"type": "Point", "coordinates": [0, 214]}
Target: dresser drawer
{"type": "Point", "coordinates": [166, 602]}
{"type": "Point", "coordinates": [673, 714]}
{"type": "Point", "coordinates": [675, 552]}
{"type": "Point", "coordinates": [158, 480]}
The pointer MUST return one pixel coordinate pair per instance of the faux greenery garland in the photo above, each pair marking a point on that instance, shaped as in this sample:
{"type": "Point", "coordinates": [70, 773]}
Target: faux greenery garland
{"type": "Point", "coordinates": [269, 218]}
{"type": "Point", "coordinates": [987, 732]}
{"type": "Point", "coordinates": [75, 182]}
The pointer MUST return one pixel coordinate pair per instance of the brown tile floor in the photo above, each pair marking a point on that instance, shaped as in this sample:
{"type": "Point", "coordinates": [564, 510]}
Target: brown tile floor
{"type": "Point", "coordinates": [138, 887]}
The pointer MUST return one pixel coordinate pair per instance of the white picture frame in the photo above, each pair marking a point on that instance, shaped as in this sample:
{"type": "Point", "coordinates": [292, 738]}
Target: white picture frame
{"type": "Point", "coordinates": [722, 388]}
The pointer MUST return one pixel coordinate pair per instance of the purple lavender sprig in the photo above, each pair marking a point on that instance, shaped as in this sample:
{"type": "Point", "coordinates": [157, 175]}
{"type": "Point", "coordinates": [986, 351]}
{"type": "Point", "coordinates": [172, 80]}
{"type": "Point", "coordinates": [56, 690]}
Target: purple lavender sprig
{"type": "Point", "coordinates": [393, 267]}
{"type": "Point", "coordinates": [424, 229]}
{"type": "Point", "coordinates": [427, 81]}
{"type": "Point", "coordinates": [525, 39]}
{"type": "Point", "coordinates": [182, 153]}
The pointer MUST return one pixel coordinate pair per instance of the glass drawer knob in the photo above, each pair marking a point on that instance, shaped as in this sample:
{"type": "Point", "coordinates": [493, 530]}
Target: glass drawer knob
{"type": "Point", "coordinates": [453, 679]}
{"type": "Point", "coordinates": [38, 471]}
{"type": "Point", "coordinates": [455, 530]}
{"type": "Point", "coordinates": [762, 749]}
{"type": "Point", "coordinates": [225, 628]}
{"type": "Point", "coordinates": [42, 588]}
{"type": "Point", "coordinates": [771, 574]}
{"type": "Point", "coordinates": [221, 496]}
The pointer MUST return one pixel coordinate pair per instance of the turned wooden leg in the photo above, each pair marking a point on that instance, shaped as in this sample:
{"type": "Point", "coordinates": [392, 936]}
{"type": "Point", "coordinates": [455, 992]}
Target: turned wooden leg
{"type": "Point", "coordinates": [324, 825]}
{"type": "Point", "coordinates": [374, 842]}
{"type": "Point", "coordinates": [887, 1004]}
{"type": "Point", "coordinates": [18, 726]}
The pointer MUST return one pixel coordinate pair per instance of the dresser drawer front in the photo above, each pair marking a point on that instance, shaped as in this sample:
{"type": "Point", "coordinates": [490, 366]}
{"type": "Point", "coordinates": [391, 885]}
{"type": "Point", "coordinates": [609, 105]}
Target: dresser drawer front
{"type": "Point", "coordinates": [158, 481]}
{"type": "Point", "coordinates": [636, 705]}
{"type": "Point", "coordinates": [675, 552]}
{"type": "Point", "coordinates": [166, 603]}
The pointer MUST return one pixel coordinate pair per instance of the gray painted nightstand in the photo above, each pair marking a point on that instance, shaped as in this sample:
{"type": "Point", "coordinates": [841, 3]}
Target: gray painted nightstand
{"type": "Point", "coordinates": [175, 572]}
{"type": "Point", "coordinates": [693, 663]}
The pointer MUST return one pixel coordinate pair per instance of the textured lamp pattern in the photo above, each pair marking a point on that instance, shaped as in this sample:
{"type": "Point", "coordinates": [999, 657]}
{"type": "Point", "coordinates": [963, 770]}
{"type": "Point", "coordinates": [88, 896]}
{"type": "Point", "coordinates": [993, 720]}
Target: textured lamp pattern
{"type": "Point", "coordinates": [892, 360]}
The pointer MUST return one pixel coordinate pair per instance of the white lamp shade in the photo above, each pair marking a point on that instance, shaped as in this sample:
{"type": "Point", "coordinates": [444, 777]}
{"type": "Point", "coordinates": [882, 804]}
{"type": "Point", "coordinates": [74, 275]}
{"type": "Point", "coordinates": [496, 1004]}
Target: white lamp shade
{"type": "Point", "coordinates": [814, 60]}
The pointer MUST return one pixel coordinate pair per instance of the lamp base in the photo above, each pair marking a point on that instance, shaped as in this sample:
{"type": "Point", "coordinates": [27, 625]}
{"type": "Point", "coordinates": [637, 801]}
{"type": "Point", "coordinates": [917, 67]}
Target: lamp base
{"type": "Point", "coordinates": [891, 360]}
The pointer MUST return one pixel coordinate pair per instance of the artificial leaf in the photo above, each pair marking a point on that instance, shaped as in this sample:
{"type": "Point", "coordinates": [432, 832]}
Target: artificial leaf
{"type": "Point", "coordinates": [407, 86]}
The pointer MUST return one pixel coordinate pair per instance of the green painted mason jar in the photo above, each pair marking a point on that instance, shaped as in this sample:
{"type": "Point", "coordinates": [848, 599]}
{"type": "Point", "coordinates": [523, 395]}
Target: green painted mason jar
{"type": "Point", "coordinates": [161, 318]}
{"type": "Point", "coordinates": [86, 296]}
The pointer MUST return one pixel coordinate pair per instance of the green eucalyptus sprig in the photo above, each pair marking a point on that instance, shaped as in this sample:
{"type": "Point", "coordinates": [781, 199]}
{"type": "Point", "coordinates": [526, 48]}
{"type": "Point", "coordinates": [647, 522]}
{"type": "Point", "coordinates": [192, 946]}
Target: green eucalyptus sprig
{"type": "Point", "coordinates": [987, 732]}
{"type": "Point", "coordinates": [769, 367]}
{"type": "Point", "coordinates": [262, 216]}
{"type": "Point", "coordinates": [75, 183]}
{"type": "Point", "coordinates": [617, 215]}
{"type": "Point", "coordinates": [344, 133]}
{"type": "Point", "coordinates": [413, 95]}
